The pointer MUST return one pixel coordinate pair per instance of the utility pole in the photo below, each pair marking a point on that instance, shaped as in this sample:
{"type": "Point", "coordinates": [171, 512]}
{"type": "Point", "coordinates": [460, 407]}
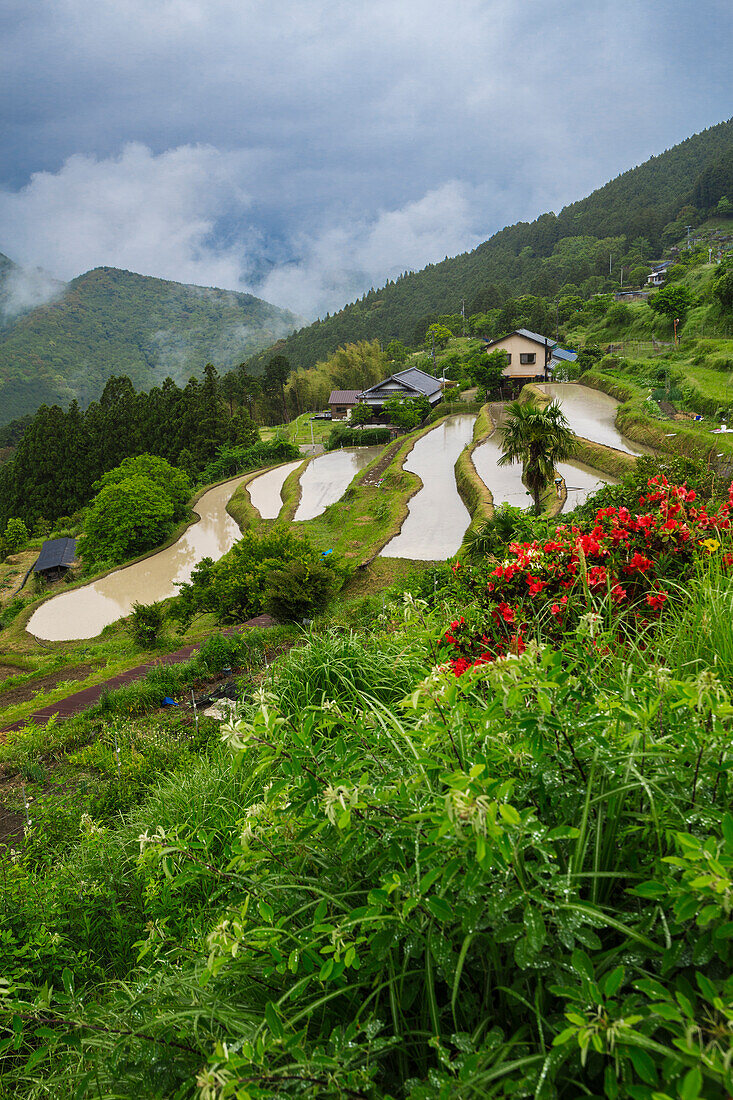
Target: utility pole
{"type": "Point", "coordinates": [688, 228]}
{"type": "Point", "coordinates": [463, 316]}
{"type": "Point", "coordinates": [433, 339]}
{"type": "Point", "coordinates": [610, 264]}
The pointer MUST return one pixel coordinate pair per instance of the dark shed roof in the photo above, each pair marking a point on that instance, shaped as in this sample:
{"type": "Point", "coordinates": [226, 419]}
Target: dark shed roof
{"type": "Point", "coordinates": [55, 554]}
{"type": "Point", "coordinates": [344, 397]}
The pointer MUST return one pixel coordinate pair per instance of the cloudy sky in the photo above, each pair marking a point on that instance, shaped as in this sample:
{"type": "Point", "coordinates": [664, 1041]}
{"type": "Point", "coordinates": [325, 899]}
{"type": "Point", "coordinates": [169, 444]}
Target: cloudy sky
{"type": "Point", "coordinates": [307, 149]}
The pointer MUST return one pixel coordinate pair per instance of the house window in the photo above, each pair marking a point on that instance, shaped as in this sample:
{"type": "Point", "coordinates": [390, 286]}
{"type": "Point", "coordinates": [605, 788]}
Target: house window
{"type": "Point", "coordinates": [527, 357]}
{"type": "Point", "coordinates": [508, 359]}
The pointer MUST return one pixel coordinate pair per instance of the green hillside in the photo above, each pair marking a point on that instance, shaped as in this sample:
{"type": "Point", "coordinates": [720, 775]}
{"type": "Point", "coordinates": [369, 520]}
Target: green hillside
{"type": "Point", "coordinates": [111, 322]}
{"type": "Point", "coordinates": [638, 208]}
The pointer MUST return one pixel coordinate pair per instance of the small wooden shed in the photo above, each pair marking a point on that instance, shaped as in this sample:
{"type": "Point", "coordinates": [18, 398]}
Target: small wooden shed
{"type": "Point", "coordinates": [57, 555]}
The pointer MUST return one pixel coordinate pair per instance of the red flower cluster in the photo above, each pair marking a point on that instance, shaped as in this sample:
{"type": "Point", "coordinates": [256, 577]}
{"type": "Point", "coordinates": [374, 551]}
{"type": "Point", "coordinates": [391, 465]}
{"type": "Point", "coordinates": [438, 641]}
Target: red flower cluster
{"type": "Point", "coordinates": [576, 566]}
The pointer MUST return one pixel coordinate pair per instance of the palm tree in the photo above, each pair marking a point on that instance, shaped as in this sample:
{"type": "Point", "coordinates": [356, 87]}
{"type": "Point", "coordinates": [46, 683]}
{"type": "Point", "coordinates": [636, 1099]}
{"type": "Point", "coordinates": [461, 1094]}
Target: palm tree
{"type": "Point", "coordinates": [538, 438]}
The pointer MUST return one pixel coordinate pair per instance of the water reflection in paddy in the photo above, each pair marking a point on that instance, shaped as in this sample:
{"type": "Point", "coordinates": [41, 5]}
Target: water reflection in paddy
{"type": "Point", "coordinates": [84, 612]}
{"type": "Point", "coordinates": [264, 491]}
{"type": "Point", "coordinates": [326, 479]}
{"type": "Point", "coordinates": [504, 482]}
{"type": "Point", "coordinates": [581, 481]}
{"type": "Point", "coordinates": [591, 415]}
{"type": "Point", "coordinates": [506, 485]}
{"type": "Point", "coordinates": [437, 518]}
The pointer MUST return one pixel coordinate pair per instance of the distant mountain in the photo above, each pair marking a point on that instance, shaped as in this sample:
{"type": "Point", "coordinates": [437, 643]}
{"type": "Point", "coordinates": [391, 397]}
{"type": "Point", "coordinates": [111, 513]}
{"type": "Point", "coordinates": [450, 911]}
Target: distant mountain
{"type": "Point", "coordinates": [62, 341]}
{"type": "Point", "coordinates": [539, 257]}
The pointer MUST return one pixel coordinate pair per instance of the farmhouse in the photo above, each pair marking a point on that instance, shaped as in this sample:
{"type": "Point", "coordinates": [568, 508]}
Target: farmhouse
{"type": "Point", "coordinates": [530, 355]}
{"type": "Point", "coordinates": [341, 402]}
{"type": "Point", "coordinates": [412, 382]}
{"type": "Point", "coordinates": [57, 555]}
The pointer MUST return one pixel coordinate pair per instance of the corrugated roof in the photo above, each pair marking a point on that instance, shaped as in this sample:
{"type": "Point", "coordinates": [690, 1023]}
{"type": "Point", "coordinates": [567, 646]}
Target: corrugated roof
{"type": "Point", "coordinates": [567, 356]}
{"type": "Point", "coordinates": [55, 553]}
{"type": "Point", "coordinates": [537, 336]}
{"type": "Point", "coordinates": [344, 397]}
{"type": "Point", "coordinates": [528, 334]}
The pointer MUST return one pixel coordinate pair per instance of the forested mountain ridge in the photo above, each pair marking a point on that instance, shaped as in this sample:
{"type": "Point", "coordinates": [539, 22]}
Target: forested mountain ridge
{"type": "Point", "coordinates": [540, 257]}
{"type": "Point", "coordinates": [110, 322]}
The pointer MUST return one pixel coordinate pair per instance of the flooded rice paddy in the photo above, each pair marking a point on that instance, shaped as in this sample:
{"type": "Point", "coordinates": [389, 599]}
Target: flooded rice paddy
{"type": "Point", "coordinates": [84, 612]}
{"type": "Point", "coordinates": [265, 490]}
{"type": "Point", "coordinates": [437, 518]}
{"type": "Point", "coordinates": [326, 479]}
{"type": "Point", "coordinates": [591, 415]}
{"type": "Point", "coordinates": [504, 482]}
{"type": "Point", "coordinates": [433, 530]}
{"type": "Point", "coordinates": [581, 481]}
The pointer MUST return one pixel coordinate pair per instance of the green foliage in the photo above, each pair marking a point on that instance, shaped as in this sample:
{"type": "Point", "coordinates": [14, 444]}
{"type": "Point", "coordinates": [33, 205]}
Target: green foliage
{"type": "Point", "coordinates": [638, 274]}
{"type": "Point", "coordinates": [487, 371]}
{"type": "Point", "coordinates": [396, 352]}
{"type": "Point", "coordinates": [62, 454]}
{"type": "Point", "coordinates": [343, 435]}
{"type": "Point", "coordinates": [538, 438]}
{"type": "Point", "coordinates": [230, 461]}
{"type": "Point", "coordinates": [109, 321]}
{"type": "Point", "coordinates": [234, 588]}
{"type": "Point", "coordinates": [672, 301]}
{"type": "Point", "coordinates": [724, 207]}
{"type": "Point", "coordinates": [355, 366]}
{"type": "Point", "coordinates": [406, 412]}
{"type": "Point", "coordinates": [508, 524]}
{"type": "Point", "coordinates": [16, 536]}
{"type": "Point", "coordinates": [146, 623]}
{"type": "Point", "coordinates": [125, 519]}
{"type": "Point", "coordinates": [437, 334]}
{"type": "Point", "coordinates": [299, 589]}
{"type": "Point", "coordinates": [723, 286]}
{"type": "Point", "coordinates": [360, 414]}
{"type": "Point", "coordinates": [171, 480]}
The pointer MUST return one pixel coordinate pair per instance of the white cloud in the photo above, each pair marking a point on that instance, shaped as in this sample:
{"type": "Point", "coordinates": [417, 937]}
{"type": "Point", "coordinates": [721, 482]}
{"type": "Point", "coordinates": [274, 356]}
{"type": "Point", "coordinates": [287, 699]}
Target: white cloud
{"type": "Point", "coordinates": [23, 289]}
{"type": "Point", "coordinates": [346, 259]}
{"type": "Point", "coordinates": [164, 215]}
{"type": "Point", "coordinates": [147, 213]}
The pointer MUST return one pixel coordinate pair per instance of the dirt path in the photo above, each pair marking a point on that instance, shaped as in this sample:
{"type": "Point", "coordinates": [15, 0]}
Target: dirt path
{"type": "Point", "coordinates": [81, 700]}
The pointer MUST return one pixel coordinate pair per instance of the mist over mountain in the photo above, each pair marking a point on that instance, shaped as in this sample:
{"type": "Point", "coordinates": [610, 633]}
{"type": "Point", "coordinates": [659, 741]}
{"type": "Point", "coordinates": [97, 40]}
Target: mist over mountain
{"type": "Point", "coordinates": [60, 342]}
{"type": "Point", "coordinates": [540, 257]}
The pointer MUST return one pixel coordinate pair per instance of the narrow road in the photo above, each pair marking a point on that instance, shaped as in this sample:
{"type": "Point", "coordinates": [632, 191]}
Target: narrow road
{"type": "Point", "coordinates": [82, 700]}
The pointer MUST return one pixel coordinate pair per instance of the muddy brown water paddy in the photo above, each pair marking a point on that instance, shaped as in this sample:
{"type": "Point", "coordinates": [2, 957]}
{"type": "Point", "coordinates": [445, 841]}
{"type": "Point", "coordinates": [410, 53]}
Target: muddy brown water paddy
{"type": "Point", "coordinates": [84, 612]}
{"type": "Point", "coordinates": [437, 517]}
{"type": "Point", "coordinates": [326, 479]}
{"type": "Point", "coordinates": [591, 415]}
{"type": "Point", "coordinates": [265, 491]}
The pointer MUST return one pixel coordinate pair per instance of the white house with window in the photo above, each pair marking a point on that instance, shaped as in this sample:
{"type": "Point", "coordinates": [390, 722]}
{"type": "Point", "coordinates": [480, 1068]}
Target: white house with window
{"type": "Point", "coordinates": [529, 355]}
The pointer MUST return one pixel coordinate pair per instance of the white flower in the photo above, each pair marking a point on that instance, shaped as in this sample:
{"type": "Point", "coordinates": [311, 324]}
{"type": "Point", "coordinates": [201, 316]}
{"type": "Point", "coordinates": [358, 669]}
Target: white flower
{"type": "Point", "coordinates": [337, 799]}
{"type": "Point", "coordinates": [465, 809]}
{"type": "Point", "coordinates": [210, 1082]}
{"type": "Point", "coordinates": [147, 838]}
{"type": "Point", "coordinates": [589, 625]}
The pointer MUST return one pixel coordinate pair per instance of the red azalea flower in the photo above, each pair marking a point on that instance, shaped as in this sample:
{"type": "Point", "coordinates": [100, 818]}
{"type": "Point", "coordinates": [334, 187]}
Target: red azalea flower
{"type": "Point", "coordinates": [638, 562]}
{"type": "Point", "coordinates": [656, 600]}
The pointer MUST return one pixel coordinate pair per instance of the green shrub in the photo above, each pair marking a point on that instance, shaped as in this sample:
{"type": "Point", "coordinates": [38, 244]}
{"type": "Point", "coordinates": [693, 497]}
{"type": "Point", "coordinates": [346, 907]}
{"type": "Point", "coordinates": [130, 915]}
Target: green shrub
{"type": "Point", "coordinates": [232, 460]}
{"type": "Point", "coordinates": [299, 589]}
{"type": "Point", "coordinates": [146, 623]}
{"type": "Point", "coordinates": [234, 587]}
{"type": "Point", "coordinates": [16, 536]}
{"type": "Point", "coordinates": [344, 436]}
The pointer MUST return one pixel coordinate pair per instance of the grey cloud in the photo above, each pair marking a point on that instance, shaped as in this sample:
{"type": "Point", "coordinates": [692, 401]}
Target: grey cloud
{"type": "Point", "coordinates": [296, 148]}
